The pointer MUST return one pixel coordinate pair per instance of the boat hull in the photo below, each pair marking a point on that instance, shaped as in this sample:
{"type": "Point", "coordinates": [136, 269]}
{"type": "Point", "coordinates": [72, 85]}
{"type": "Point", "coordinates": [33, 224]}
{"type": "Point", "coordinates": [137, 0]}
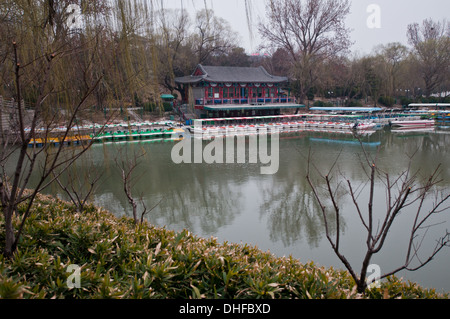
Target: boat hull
{"type": "Point", "coordinates": [416, 123]}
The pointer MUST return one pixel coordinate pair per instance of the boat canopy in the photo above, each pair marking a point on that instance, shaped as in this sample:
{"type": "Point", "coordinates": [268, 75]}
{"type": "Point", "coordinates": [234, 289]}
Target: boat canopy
{"type": "Point", "coordinates": [346, 109]}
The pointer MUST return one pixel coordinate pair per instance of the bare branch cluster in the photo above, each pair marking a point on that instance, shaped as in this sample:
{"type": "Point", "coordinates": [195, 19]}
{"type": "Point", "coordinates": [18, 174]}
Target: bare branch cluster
{"type": "Point", "coordinates": [310, 31]}
{"type": "Point", "coordinates": [127, 166]}
{"type": "Point", "coordinates": [404, 192]}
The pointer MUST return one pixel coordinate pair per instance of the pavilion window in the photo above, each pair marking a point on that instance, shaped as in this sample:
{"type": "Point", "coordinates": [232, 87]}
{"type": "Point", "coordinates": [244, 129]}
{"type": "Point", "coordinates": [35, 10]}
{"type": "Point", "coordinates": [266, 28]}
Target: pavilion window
{"type": "Point", "coordinates": [228, 92]}
{"type": "Point", "coordinates": [210, 92]}
{"type": "Point", "coordinates": [259, 92]}
{"type": "Point", "coordinates": [244, 93]}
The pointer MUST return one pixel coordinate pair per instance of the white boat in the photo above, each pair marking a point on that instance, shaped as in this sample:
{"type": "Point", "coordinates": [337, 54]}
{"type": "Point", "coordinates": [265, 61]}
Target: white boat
{"type": "Point", "coordinates": [330, 124]}
{"type": "Point", "coordinates": [262, 127]}
{"type": "Point", "coordinates": [270, 127]}
{"type": "Point", "coordinates": [366, 125]}
{"type": "Point", "coordinates": [412, 123]}
{"type": "Point", "coordinates": [278, 127]}
{"type": "Point", "coordinates": [199, 130]}
{"type": "Point", "coordinates": [222, 130]}
{"type": "Point", "coordinates": [240, 129]}
{"type": "Point", "coordinates": [406, 130]}
{"type": "Point", "coordinates": [214, 130]}
{"type": "Point", "coordinates": [345, 126]}
{"type": "Point", "coordinates": [231, 129]}
{"type": "Point", "coordinates": [252, 129]}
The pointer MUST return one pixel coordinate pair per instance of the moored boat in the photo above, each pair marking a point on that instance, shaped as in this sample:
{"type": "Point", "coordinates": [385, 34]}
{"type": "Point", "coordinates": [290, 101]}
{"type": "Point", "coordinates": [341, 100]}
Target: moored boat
{"type": "Point", "coordinates": [365, 126]}
{"type": "Point", "coordinates": [412, 123]}
{"type": "Point", "coordinates": [252, 129]}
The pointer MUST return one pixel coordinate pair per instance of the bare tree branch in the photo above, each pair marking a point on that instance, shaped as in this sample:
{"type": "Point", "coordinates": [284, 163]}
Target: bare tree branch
{"type": "Point", "coordinates": [401, 192]}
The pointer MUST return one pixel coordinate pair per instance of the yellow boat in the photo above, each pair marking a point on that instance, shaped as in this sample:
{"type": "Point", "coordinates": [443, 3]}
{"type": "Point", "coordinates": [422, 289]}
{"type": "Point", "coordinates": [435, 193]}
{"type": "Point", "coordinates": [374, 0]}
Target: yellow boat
{"type": "Point", "coordinates": [75, 139]}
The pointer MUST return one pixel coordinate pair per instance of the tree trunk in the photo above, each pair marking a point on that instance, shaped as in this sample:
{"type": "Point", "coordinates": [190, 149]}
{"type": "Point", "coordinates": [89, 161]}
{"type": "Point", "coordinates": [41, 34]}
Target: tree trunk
{"type": "Point", "coordinates": [9, 233]}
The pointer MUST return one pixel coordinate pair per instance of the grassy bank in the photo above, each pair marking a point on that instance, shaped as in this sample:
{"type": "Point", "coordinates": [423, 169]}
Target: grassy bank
{"type": "Point", "coordinates": [121, 260]}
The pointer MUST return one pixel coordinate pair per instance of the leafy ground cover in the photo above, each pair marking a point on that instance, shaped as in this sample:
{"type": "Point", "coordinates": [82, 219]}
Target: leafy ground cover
{"type": "Point", "coordinates": [118, 259]}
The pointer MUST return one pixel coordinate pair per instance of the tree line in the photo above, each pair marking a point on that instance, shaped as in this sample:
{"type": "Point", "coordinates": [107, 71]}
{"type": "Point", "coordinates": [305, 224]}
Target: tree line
{"type": "Point", "coordinates": [137, 48]}
{"type": "Point", "coordinates": [312, 46]}
{"type": "Point", "coordinates": [133, 48]}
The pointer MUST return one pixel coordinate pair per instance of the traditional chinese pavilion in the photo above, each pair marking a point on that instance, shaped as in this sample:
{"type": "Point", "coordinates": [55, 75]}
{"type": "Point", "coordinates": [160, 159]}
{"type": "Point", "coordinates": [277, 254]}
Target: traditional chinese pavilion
{"type": "Point", "coordinates": [218, 91]}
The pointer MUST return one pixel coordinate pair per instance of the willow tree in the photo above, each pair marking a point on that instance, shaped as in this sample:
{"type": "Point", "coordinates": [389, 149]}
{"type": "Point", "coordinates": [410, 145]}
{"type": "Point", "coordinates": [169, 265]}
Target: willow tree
{"type": "Point", "coordinates": [174, 52]}
{"type": "Point", "coordinates": [311, 31]}
{"type": "Point", "coordinates": [60, 58]}
{"type": "Point", "coordinates": [47, 74]}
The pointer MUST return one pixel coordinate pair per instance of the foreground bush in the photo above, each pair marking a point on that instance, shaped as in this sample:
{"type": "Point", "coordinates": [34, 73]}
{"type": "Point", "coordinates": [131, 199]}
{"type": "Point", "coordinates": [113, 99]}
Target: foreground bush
{"type": "Point", "coordinates": [120, 260]}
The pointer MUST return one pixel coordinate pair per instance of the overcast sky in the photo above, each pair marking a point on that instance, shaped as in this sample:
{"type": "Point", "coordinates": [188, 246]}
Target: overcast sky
{"type": "Point", "coordinates": [389, 26]}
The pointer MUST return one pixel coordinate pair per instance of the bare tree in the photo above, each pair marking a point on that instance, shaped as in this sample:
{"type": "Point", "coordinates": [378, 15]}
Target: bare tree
{"type": "Point", "coordinates": [431, 44]}
{"type": "Point", "coordinates": [79, 186]}
{"type": "Point", "coordinates": [403, 192]}
{"type": "Point", "coordinates": [127, 168]}
{"type": "Point", "coordinates": [213, 35]}
{"type": "Point", "coordinates": [310, 31]}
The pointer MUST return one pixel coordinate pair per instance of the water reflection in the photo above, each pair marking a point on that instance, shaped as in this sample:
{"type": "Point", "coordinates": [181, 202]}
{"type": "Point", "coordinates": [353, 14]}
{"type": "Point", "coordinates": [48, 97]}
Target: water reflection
{"type": "Point", "coordinates": [276, 212]}
{"type": "Point", "coordinates": [205, 197]}
{"type": "Point", "coordinates": [196, 197]}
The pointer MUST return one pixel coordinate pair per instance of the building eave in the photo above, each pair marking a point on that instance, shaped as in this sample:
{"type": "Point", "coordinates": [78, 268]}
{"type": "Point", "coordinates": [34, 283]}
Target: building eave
{"type": "Point", "coordinates": [218, 74]}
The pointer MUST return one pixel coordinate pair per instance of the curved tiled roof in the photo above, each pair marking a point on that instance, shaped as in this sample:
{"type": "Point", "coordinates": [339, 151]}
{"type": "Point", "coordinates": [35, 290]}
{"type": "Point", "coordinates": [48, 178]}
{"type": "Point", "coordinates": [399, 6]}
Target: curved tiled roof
{"type": "Point", "coordinates": [227, 74]}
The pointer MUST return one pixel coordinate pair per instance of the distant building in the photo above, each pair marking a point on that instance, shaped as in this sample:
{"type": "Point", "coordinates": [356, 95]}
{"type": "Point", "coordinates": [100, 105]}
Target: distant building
{"type": "Point", "coordinates": [218, 91]}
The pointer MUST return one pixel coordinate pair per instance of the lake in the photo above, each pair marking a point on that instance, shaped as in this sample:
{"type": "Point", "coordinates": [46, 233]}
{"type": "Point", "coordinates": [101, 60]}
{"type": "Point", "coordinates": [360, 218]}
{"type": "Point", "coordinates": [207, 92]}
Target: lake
{"type": "Point", "coordinates": [236, 203]}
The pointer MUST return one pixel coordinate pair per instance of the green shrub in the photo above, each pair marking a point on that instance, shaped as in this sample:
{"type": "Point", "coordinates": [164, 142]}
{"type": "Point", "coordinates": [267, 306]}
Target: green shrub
{"type": "Point", "coordinates": [118, 259]}
{"type": "Point", "coordinates": [323, 104]}
{"type": "Point", "coordinates": [353, 103]}
{"type": "Point", "coordinates": [386, 101]}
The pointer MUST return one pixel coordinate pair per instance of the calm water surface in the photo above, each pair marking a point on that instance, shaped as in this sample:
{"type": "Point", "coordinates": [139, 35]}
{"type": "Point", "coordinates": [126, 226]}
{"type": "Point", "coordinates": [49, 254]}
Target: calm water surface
{"type": "Point", "coordinates": [235, 203]}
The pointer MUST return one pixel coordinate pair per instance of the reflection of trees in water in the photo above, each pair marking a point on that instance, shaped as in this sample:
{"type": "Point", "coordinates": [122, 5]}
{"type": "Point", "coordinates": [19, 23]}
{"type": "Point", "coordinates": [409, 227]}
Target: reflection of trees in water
{"type": "Point", "coordinates": [291, 215]}
{"type": "Point", "coordinates": [429, 150]}
{"type": "Point", "coordinates": [204, 203]}
{"type": "Point", "coordinates": [288, 199]}
{"type": "Point", "coordinates": [195, 196]}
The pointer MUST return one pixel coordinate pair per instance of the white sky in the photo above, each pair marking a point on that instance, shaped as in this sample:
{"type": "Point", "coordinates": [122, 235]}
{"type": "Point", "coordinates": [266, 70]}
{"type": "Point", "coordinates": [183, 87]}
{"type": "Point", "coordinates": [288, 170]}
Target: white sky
{"type": "Point", "coordinates": [395, 15]}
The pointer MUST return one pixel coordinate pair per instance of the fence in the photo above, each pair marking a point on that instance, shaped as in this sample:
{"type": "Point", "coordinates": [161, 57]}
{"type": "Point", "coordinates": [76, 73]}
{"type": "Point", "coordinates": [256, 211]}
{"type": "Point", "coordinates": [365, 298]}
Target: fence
{"type": "Point", "coordinates": [9, 115]}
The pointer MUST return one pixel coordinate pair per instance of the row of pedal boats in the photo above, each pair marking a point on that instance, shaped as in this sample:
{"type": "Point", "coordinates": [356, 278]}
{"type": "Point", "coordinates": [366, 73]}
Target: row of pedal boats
{"type": "Point", "coordinates": [280, 126]}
